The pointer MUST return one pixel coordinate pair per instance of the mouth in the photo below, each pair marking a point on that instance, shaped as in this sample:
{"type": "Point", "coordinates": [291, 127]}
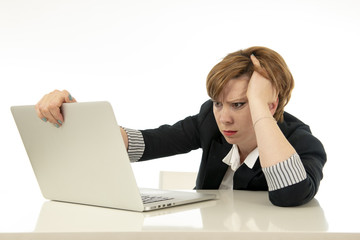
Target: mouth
{"type": "Point", "coordinates": [229, 133]}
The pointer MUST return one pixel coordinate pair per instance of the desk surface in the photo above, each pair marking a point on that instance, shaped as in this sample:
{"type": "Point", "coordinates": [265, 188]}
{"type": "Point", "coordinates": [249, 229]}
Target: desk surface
{"type": "Point", "coordinates": [235, 213]}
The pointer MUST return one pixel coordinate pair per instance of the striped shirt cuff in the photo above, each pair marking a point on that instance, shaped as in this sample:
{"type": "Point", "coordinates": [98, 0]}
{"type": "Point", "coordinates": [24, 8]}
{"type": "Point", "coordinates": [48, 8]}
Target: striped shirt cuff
{"type": "Point", "coordinates": [136, 146]}
{"type": "Point", "coordinates": [285, 173]}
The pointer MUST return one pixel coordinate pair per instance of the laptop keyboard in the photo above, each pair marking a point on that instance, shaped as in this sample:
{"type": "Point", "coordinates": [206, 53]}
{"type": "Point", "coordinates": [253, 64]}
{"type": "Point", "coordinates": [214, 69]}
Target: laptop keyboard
{"type": "Point", "coordinates": [151, 198]}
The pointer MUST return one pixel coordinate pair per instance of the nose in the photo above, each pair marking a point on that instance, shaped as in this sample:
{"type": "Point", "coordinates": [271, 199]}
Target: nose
{"type": "Point", "coordinates": [225, 116]}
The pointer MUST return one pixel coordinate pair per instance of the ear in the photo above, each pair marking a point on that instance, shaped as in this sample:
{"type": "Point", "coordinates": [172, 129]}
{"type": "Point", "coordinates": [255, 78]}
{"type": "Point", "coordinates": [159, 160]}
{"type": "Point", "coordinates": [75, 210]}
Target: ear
{"type": "Point", "coordinates": [273, 106]}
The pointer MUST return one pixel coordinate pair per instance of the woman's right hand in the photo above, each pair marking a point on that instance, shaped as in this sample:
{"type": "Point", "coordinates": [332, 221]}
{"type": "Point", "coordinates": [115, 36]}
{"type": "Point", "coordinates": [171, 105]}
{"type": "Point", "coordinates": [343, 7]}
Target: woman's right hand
{"type": "Point", "coordinates": [48, 108]}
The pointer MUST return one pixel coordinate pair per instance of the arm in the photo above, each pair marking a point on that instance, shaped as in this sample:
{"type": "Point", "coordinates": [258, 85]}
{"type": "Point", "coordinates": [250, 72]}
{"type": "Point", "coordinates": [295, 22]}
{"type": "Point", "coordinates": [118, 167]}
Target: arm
{"type": "Point", "coordinates": [292, 164]}
{"type": "Point", "coordinates": [164, 141]}
{"type": "Point", "coordinates": [125, 137]}
{"type": "Point", "coordinates": [272, 144]}
{"type": "Point", "coordinates": [182, 137]}
{"type": "Point", "coordinates": [168, 140]}
{"type": "Point", "coordinates": [311, 156]}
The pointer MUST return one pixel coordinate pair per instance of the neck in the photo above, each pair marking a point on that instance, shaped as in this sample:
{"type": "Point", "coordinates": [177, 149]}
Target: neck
{"type": "Point", "coordinates": [245, 150]}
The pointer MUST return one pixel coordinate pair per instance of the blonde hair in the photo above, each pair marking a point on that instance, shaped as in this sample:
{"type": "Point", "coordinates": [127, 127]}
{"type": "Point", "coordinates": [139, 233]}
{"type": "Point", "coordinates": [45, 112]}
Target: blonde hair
{"type": "Point", "coordinates": [239, 63]}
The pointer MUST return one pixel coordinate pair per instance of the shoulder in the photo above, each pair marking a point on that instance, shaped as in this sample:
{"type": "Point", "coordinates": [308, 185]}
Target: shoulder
{"type": "Point", "coordinates": [292, 125]}
{"type": "Point", "coordinates": [205, 114]}
{"type": "Point", "coordinates": [300, 136]}
{"type": "Point", "coordinates": [206, 107]}
{"type": "Point", "coordinates": [206, 122]}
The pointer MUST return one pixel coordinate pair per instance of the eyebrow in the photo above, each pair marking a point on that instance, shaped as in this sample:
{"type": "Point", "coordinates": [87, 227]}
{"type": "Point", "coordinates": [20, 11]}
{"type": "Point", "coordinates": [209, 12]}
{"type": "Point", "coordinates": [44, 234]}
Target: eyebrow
{"type": "Point", "coordinates": [235, 100]}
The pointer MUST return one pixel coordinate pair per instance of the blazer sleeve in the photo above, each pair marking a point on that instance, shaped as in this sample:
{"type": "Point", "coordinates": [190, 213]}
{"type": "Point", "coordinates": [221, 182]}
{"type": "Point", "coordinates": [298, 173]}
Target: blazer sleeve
{"type": "Point", "coordinates": [313, 158]}
{"type": "Point", "coordinates": [182, 137]}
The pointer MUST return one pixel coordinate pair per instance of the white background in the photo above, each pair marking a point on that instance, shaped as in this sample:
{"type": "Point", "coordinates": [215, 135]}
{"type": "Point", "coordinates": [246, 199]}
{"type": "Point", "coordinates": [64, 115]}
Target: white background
{"type": "Point", "coordinates": [150, 59]}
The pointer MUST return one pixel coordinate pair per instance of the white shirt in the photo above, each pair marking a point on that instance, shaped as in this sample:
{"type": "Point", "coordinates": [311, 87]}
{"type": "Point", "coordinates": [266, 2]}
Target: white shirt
{"type": "Point", "coordinates": [233, 160]}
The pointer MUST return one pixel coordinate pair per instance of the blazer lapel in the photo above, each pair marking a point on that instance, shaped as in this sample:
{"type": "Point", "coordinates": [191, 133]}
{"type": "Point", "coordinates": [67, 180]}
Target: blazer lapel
{"type": "Point", "coordinates": [215, 169]}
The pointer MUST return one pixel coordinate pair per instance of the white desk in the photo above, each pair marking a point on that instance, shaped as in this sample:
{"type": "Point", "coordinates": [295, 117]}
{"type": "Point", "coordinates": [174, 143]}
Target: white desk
{"type": "Point", "coordinates": [235, 215]}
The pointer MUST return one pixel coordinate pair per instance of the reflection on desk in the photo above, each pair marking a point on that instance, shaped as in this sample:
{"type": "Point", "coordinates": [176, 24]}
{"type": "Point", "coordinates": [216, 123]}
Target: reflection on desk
{"type": "Point", "coordinates": [236, 214]}
{"type": "Point", "coordinates": [234, 211]}
{"type": "Point", "coordinates": [253, 211]}
{"type": "Point", "coordinates": [68, 217]}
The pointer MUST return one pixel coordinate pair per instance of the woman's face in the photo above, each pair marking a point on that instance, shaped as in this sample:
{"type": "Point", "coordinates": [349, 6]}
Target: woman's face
{"type": "Point", "coordinates": [232, 113]}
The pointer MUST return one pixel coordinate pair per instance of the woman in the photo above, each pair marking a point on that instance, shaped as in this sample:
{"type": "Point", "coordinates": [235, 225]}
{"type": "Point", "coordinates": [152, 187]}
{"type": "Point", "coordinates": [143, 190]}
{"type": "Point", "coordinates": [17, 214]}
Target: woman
{"type": "Point", "coordinates": [248, 141]}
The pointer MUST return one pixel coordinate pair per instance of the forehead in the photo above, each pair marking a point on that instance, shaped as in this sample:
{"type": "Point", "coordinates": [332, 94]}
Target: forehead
{"type": "Point", "coordinates": [236, 88]}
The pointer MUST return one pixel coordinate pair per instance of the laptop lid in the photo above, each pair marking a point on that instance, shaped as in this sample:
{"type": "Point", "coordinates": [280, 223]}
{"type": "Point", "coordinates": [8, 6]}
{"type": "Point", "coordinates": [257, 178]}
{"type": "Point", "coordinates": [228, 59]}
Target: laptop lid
{"type": "Point", "coordinates": [84, 161]}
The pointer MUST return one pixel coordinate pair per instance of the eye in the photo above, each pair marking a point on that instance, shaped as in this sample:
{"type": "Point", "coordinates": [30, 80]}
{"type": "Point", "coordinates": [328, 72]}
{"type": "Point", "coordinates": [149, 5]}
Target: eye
{"type": "Point", "coordinates": [238, 105]}
{"type": "Point", "coordinates": [217, 104]}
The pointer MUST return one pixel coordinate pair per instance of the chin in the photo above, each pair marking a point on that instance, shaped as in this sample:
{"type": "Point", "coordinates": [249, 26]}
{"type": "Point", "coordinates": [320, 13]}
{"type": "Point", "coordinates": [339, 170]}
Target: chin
{"type": "Point", "coordinates": [230, 140]}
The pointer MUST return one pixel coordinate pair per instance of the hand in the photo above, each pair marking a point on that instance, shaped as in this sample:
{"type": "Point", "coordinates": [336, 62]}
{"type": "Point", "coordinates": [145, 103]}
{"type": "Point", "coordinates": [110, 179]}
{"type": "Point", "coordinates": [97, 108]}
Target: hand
{"type": "Point", "coordinates": [48, 108]}
{"type": "Point", "coordinates": [260, 88]}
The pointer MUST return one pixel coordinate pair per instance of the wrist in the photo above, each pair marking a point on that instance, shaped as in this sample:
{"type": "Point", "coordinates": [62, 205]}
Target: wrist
{"type": "Point", "coordinates": [263, 118]}
{"type": "Point", "coordinates": [125, 137]}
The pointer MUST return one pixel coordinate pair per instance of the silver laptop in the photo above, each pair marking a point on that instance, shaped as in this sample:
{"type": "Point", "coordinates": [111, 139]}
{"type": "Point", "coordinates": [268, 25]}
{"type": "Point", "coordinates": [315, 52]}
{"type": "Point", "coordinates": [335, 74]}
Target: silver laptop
{"type": "Point", "coordinates": [85, 160]}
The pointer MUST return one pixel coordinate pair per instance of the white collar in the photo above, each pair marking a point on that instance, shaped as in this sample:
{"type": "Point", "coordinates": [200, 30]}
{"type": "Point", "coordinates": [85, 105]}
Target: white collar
{"type": "Point", "coordinates": [233, 158]}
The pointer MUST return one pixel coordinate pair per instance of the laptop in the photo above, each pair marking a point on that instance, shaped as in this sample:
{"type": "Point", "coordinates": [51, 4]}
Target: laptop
{"type": "Point", "coordinates": [85, 160]}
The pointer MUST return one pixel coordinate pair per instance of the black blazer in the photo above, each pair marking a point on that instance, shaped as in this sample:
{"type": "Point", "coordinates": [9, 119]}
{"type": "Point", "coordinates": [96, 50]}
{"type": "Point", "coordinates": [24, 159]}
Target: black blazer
{"type": "Point", "coordinates": [201, 131]}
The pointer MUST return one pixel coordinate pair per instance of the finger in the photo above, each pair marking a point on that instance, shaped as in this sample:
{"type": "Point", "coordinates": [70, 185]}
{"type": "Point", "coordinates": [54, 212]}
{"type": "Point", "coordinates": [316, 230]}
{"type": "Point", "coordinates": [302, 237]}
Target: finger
{"type": "Point", "coordinates": [257, 66]}
{"type": "Point", "coordinates": [56, 114]}
{"type": "Point", "coordinates": [49, 108]}
{"type": "Point", "coordinates": [42, 109]}
{"type": "Point", "coordinates": [40, 115]}
{"type": "Point", "coordinates": [255, 61]}
{"type": "Point", "coordinates": [47, 115]}
{"type": "Point", "coordinates": [51, 112]}
{"type": "Point", "coordinates": [54, 109]}
{"type": "Point", "coordinates": [68, 97]}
